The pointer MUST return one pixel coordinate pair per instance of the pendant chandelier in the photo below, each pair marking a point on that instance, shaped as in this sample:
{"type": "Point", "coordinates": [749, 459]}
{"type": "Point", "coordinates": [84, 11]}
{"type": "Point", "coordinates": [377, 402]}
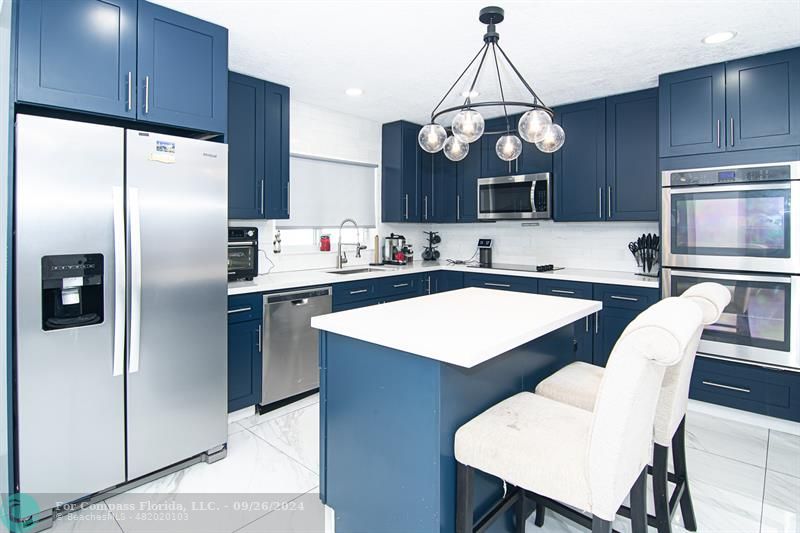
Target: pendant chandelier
{"type": "Point", "coordinates": [535, 126]}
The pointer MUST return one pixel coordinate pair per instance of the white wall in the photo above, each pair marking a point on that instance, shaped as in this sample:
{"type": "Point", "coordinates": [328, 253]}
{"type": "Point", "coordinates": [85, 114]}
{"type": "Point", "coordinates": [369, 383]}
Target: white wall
{"type": "Point", "coordinates": [5, 153]}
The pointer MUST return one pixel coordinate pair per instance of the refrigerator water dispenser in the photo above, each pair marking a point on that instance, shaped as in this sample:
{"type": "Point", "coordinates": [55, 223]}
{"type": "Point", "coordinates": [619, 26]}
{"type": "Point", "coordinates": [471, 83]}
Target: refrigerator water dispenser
{"type": "Point", "coordinates": [72, 291]}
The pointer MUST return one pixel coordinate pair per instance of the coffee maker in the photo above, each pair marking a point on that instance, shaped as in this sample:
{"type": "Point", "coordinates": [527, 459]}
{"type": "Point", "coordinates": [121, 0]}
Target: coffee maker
{"type": "Point", "coordinates": [395, 250]}
{"type": "Point", "coordinates": [72, 291]}
{"type": "Point", "coordinates": [485, 252]}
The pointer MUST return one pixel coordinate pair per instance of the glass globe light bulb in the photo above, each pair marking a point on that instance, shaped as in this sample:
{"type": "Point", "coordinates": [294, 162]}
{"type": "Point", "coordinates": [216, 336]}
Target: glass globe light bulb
{"type": "Point", "coordinates": [532, 125]}
{"type": "Point", "coordinates": [468, 125]}
{"type": "Point", "coordinates": [508, 147]}
{"type": "Point", "coordinates": [552, 140]}
{"type": "Point", "coordinates": [431, 137]}
{"type": "Point", "coordinates": [455, 149]}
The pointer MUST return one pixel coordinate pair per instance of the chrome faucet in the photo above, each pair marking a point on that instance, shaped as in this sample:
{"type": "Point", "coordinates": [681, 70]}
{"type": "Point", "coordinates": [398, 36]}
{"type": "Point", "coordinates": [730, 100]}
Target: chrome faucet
{"type": "Point", "coordinates": [341, 256]}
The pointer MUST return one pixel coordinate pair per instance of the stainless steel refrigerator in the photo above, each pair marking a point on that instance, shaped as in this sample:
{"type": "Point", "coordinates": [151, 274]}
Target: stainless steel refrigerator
{"type": "Point", "coordinates": [120, 298]}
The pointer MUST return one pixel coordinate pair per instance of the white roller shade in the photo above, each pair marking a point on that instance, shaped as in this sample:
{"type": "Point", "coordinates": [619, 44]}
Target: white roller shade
{"type": "Point", "coordinates": [324, 192]}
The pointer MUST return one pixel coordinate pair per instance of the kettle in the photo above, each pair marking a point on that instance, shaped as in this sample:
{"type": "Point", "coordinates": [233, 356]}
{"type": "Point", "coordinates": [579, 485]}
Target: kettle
{"type": "Point", "coordinates": [394, 250]}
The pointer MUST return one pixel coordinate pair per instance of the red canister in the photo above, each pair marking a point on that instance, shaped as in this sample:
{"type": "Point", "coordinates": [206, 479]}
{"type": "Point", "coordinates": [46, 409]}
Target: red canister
{"type": "Point", "coordinates": [325, 243]}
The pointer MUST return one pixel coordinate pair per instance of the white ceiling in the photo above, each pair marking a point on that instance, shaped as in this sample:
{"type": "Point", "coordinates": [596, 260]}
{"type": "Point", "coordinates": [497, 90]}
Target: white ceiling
{"type": "Point", "coordinates": [404, 54]}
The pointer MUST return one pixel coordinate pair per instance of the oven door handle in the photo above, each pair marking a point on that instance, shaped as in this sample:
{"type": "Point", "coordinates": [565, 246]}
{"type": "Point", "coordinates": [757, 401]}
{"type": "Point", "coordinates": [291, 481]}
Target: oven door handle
{"type": "Point", "coordinates": [732, 277]}
{"type": "Point", "coordinates": [776, 185]}
{"type": "Point", "coordinates": [241, 243]}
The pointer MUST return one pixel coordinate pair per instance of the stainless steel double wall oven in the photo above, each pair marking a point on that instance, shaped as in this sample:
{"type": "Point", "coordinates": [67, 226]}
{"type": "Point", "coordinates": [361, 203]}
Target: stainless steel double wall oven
{"type": "Point", "coordinates": [739, 226]}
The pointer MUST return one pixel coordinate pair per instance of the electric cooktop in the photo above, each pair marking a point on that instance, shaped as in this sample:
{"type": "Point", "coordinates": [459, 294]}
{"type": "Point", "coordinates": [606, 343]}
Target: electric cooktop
{"type": "Point", "coordinates": [522, 268]}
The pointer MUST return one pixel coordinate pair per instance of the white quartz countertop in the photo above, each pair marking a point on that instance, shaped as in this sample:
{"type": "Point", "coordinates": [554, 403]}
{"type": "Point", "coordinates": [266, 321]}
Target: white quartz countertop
{"type": "Point", "coordinates": [307, 278]}
{"type": "Point", "coordinates": [473, 325]}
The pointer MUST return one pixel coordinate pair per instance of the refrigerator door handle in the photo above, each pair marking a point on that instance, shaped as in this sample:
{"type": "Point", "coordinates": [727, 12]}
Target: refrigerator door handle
{"type": "Point", "coordinates": [118, 198]}
{"type": "Point", "coordinates": [136, 279]}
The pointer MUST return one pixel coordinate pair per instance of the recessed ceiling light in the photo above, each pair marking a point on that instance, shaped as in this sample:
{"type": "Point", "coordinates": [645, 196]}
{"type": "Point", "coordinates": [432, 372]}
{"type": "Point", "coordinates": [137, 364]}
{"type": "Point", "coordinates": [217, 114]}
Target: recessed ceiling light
{"type": "Point", "coordinates": [471, 94]}
{"type": "Point", "coordinates": [353, 91]}
{"type": "Point", "coordinates": [721, 37]}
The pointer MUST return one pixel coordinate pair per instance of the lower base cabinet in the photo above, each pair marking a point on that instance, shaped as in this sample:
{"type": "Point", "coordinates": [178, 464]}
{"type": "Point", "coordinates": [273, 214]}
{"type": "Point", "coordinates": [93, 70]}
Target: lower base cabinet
{"type": "Point", "coordinates": [621, 304]}
{"type": "Point", "coordinates": [443, 281]}
{"type": "Point", "coordinates": [244, 351]}
{"type": "Point", "coordinates": [502, 282]}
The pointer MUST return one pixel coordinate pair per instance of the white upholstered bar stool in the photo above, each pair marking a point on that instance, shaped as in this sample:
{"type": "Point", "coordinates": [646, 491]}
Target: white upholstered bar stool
{"type": "Point", "coordinates": [577, 384]}
{"type": "Point", "coordinates": [558, 454]}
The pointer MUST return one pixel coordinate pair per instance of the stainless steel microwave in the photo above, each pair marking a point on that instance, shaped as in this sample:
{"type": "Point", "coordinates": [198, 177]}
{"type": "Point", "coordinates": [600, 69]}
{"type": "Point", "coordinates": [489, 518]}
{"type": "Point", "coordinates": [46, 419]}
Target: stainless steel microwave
{"type": "Point", "coordinates": [526, 196]}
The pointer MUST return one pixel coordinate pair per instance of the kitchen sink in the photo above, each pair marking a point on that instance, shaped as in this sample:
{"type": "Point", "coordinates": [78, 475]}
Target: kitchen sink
{"type": "Point", "coordinates": [360, 270]}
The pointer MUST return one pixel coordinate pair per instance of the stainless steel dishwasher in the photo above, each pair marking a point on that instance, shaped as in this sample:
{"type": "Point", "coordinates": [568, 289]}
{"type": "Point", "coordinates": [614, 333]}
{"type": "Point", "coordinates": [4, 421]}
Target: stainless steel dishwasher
{"type": "Point", "coordinates": [291, 358]}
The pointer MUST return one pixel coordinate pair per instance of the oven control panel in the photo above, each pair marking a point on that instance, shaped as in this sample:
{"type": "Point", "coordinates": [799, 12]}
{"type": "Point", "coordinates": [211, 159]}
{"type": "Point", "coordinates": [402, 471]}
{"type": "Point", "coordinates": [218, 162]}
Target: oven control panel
{"type": "Point", "coordinates": [714, 176]}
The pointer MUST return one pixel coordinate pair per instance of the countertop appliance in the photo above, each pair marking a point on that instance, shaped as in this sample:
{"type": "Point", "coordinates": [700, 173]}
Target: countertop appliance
{"type": "Point", "coordinates": [291, 346]}
{"type": "Point", "coordinates": [485, 253]}
{"type": "Point", "coordinates": [394, 250]}
{"type": "Point", "coordinates": [120, 304]}
{"type": "Point", "coordinates": [738, 226]}
{"type": "Point", "coordinates": [526, 196]}
{"type": "Point", "coordinates": [242, 253]}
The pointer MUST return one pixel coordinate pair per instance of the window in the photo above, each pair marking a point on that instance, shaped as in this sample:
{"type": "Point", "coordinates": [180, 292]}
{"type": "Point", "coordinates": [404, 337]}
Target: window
{"type": "Point", "coordinates": [307, 239]}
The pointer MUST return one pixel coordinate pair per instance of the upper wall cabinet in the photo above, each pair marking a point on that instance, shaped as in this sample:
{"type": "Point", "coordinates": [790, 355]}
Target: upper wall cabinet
{"type": "Point", "coordinates": [182, 70]}
{"type": "Point", "coordinates": [740, 105]}
{"type": "Point", "coordinates": [401, 171]}
{"type": "Point", "coordinates": [79, 54]}
{"type": "Point", "coordinates": [579, 167]}
{"type": "Point", "coordinates": [763, 100]}
{"type": "Point", "coordinates": [258, 149]}
{"type": "Point", "coordinates": [531, 161]}
{"type": "Point", "coordinates": [632, 179]}
{"type": "Point", "coordinates": [124, 59]}
{"type": "Point", "coordinates": [468, 170]}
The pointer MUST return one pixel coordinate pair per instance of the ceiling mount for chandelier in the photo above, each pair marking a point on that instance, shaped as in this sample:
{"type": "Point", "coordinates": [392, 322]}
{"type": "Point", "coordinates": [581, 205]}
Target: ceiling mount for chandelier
{"type": "Point", "coordinates": [535, 126]}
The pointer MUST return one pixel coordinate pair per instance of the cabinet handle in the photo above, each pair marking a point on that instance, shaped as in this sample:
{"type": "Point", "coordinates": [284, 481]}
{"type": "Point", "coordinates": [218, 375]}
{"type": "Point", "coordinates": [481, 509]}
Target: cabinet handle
{"type": "Point", "coordinates": [727, 387]}
{"type": "Point", "coordinates": [429, 284]}
{"type": "Point", "coordinates": [259, 338]}
{"type": "Point", "coordinates": [406, 206]}
{"type": "Point", "coordinates": [587, 324]}
{"type": "Point", "coordinates": [718, 132]}
{"type": "Point", "coordinates": [359, 291]}
{"type": "Point", "coordinates": [398, 285]}
{"type": "Point", "coordinates": [562, 291]}
{"type": "Point", "coordinates": [458, 207]}
{"type": "Point", "coordinates": [239, 310]}
{"type": "Point", "coordinates": [608, 206]}
{"type": "Point", "coordinates": [489, 284]}
{"type": "Point", "coordinates": [733, 141]}
{"type": "Point", "coordinates": [625, 298]}
{"type": "Point", "coordinates": [600, 203]}
{"type": "Point", "coordinates": [596, 323]}
{"type": "Point", "coordinates": [426, 206]}
{"type": "Point", "coordinates": [146, 94]}
{"type": "Point", "coordinates": [261, 196]}
{"type": "Point", "coordinates": [130, 90]}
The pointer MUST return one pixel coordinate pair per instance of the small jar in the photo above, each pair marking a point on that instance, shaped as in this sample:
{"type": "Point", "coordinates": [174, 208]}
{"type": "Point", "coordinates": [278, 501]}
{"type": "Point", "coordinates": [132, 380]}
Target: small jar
{"type": "Point", "coordinates": [325, 243]}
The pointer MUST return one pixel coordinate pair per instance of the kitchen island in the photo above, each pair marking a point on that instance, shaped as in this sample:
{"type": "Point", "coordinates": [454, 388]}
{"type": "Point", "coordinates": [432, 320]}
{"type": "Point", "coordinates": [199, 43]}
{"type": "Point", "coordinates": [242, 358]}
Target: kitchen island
{"type": "Point", "coordinates": [398, 379]}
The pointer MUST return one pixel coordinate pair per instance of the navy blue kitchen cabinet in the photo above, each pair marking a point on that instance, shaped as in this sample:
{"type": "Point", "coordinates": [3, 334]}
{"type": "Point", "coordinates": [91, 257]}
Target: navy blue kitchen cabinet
{"type": "Point", "coordinates": [400, 172]}
{"type": "Point", "coordinates": [439, 188]}
{"type": "Point", "coordinates": [632, 178]}
{"type": "Point", "coordinates": [182, 70]}
{"type": "Point", "coordinates": [579, 167]}
{"type": "Point", "coordinates": [692, 111]}
{"type": "Point", "coordinates": [123, 58]}
{"type": "Point", "coordinates": [763, 100]}
{"type": "Point", "coordinates": [584, 330]}
{"type": "Point", "coordinates": [751, 388]}
{"type": "Point", "coordinates": [491, 165]}
{"type": "Point", "coordinates": [276, 151]}
{"type": "Point", "coordinates": [258, 149]}
{"type": "Point", "coordinates": [621, 304]}
{"type": "Point", "coordinates": [78, 55]}
{"type": "Point", "coordinates": [442, 281]}
{"type": "Point", "coordinates": [245, 147]}
{"type": "Point", "coordinates": [502, 282]}
{"type": "Point", "coordinates": [244, 351]}
{"type": "Point", "coordinates": [468, 170]}
{"type": "Point", "coordinates": [362, 293]}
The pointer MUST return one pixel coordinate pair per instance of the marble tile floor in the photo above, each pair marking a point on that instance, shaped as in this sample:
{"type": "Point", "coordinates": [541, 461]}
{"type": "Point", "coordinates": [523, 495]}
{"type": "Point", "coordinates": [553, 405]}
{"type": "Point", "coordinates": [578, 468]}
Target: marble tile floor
{"type": "Point", "coordinates": [744, 478]}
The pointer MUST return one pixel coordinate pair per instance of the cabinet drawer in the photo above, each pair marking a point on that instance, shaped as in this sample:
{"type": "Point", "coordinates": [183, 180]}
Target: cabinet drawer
{"type": "Point", "coordinates": [503, 283]}
{"type": "Point", "coordinates": [354, 291]}
{"type": "Point", "coordinates": [400, 285]}
{"type": "Point", "coordinates": [567, 289]}
{"type": "Point", "coordinates": [244, 307]}
{"type": "Point", "coordinates": [752, 388]}
{"type": "Point", "coordinates": [623, 297]}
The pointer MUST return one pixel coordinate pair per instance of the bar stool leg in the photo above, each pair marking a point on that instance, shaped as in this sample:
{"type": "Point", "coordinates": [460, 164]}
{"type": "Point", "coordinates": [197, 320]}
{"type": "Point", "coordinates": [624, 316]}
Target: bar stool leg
{"type": "Point", "coordinates": [522, 511]}
{"type": "Point", "coordinates": [600, 526]}
{"type": "Point", "coordinates": [661, 488]}
{"type": "Point", "coordinates": [639, 504]}
{"type": "Point", "coordinates": [679, 460]}
{"type": "Point", "coordinates": [540, 511]}
{"type": "Point", "coordinates": [464, 478]}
